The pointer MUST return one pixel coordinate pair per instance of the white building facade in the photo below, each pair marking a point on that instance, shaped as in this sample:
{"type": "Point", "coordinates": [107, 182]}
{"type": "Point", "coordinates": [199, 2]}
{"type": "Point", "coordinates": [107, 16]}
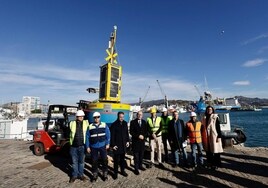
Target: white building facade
{"type": "Point", "coordinates": [30, 103]}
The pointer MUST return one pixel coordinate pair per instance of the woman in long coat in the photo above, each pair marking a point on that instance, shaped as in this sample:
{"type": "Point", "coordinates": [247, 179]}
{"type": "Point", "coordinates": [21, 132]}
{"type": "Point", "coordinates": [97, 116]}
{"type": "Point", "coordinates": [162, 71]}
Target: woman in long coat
{"type": "Point", "coordinates": [211, 138]}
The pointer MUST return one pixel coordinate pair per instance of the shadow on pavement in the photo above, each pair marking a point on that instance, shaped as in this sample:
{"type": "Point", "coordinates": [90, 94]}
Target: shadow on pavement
{"type": "Point", "coordinates": [196, 178]}
{"type": "Point", "coordinates": [31, 147]}
{"type": "Point", "coordinates": [170, 182]}
{"type": "Point", "coordinates": [193, 179]}
{"type": "Point", "coordinates": [245, 165]}
{"type": "Point", "coordinates": [60, 162]}
{"type": "Point", "coordinates": [242, 181]}
{"type": "Point", "coordinates": [248, 168]}
{"type": "Point", "coordinates": [246, 157]}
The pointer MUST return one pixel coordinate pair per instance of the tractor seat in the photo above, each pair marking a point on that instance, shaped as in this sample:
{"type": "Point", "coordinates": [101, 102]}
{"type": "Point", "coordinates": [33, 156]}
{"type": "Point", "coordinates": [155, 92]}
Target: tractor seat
{"type": "Point", "coordinates": [56, 136]}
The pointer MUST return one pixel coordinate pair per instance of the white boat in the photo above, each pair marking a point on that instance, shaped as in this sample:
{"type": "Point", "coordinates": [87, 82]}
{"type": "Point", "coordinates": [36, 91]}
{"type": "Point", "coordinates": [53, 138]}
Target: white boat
{"type": "Point", "coordinates": [181, 109]}
{"type": "Point", "coordinates": [135, 108]}
{"type": "Point", "coordinates": [257, 109]}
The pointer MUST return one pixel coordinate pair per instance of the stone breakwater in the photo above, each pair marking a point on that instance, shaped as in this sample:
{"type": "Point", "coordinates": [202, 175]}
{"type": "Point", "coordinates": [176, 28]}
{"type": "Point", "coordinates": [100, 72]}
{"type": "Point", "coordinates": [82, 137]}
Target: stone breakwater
{"type": "Point", "coordinates": [242, 167]}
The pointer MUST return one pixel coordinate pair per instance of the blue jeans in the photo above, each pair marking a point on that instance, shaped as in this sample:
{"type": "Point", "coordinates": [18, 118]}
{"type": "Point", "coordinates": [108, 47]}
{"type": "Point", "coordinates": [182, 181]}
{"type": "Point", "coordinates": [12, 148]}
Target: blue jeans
{"type": "Point", "coordinates": [95, 156]}
{"type": "Point", "coordinates": [78, 158]}
{"type": "Point", "coordinates": [184, 154]}
{"type": "Point", "coordinates": [199, 148]}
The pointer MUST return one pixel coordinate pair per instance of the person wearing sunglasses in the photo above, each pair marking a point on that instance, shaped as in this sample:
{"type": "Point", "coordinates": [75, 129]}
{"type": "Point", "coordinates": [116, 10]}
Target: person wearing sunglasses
{"type": "Point", "coordinates": [97, 143]}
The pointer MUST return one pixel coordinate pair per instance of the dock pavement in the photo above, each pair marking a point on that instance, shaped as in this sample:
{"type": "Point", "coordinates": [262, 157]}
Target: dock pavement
{"type": "Point", "coordinates": [242, 167]}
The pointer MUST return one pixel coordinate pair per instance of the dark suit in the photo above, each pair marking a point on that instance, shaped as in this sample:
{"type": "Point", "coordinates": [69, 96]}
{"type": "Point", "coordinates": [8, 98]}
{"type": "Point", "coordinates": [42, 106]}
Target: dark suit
{"type": "Point", "coordinates": [119, 138]}
{"type": "Point", "coordinates": [176, 140]}
{"type": "Point", "coordinates": [174, 132]}
{"type": "Point", "coordinates": [138, 145]}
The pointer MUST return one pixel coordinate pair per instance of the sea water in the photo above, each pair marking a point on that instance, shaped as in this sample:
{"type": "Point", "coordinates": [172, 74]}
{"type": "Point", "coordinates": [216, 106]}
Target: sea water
{"type": "Point", "coordinates": [255, 125]}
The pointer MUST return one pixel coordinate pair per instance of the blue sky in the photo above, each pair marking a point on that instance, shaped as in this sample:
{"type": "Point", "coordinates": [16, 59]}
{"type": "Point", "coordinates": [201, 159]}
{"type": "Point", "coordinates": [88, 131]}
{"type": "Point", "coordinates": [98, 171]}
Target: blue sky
{"type": "Point", "coordinates": [53, 49]}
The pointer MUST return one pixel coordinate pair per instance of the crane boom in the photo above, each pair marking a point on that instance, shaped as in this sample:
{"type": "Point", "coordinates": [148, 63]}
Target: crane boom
{"type": "Point", "coordinates": [197, 90]}
{"type": "Point", "coordinates": [146, 93]}
{"type": "Point", "coordinates": [163, 93]}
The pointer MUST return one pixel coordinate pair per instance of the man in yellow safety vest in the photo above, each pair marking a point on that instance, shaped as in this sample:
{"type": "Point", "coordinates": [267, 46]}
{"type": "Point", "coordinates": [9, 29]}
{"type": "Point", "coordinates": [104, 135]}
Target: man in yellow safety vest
{"type": "Point", "coordinates": [154, 129]}
{"type": "Point", "coordinates": [77, 135]}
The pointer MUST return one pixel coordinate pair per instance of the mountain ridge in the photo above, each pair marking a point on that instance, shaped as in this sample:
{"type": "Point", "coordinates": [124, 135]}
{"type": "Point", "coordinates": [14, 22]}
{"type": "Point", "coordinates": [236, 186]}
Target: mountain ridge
{"type": "Point", "coordinates": [244, 101]}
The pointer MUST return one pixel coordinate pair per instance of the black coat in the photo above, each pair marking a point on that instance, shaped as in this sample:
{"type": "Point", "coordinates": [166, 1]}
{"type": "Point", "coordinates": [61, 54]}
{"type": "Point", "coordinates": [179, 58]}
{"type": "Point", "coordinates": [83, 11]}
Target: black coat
{"type": "Point", "coordinates": [138, 145]}
{"type": "Point", "coordinates": [119, 136]}
{"type": "Point", "coordinates": [173, 134]}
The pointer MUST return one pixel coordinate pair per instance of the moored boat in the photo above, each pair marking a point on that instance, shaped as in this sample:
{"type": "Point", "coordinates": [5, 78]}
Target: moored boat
{"type": "Point", "coordinates": [229, 136]}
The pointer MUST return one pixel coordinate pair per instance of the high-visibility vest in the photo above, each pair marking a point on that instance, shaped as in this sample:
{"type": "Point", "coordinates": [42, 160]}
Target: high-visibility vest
{"type": "Point", "coordinates": [194, 134]}
{"type": "Point", "coordinates": [97, 133]}
{"type": "Point", "coordinates": [154, 126]}
{"type": "Point", "coordinates": [165, 124]}
{"type": "Point", "coordinates": [73, 130]}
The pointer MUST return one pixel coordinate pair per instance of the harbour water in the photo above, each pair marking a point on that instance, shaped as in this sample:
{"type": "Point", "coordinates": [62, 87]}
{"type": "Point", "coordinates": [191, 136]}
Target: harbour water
{"type": "Point", "coordinates": [255, 125]}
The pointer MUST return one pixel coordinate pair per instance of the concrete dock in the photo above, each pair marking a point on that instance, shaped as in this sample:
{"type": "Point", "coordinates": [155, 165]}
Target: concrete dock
{"type": "Point", "coordinates": [242, 167]}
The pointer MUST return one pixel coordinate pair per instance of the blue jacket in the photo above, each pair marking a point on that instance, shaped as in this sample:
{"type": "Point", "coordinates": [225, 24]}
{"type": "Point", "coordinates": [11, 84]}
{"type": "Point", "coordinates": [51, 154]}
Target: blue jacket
{"type": "Point", "coordinates": [101, 129]}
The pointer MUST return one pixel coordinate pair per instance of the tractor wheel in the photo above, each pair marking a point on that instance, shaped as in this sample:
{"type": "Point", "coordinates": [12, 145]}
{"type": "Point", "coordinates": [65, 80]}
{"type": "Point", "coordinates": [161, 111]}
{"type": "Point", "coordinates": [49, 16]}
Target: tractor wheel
{"type": "Point", "coordinates": [39, 149]}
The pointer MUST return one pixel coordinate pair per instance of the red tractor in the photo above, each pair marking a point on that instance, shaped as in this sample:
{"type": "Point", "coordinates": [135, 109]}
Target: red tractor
{"type": "Point", "coordinates": [55, 135]}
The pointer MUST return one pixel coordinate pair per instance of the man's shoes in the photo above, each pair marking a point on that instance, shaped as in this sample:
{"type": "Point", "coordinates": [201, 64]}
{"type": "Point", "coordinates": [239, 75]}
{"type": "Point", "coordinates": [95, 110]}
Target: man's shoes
{"type": "Point", "coordinates": [136, 171]}
{"type": "Point", "coordinates": [202, 166]}
{"type": "Point", "coordinates": [161, 165]}
{"type": "Point", "coordinates": [166, 160]}
{"type": "Point", "coordinates": [105, 176]}
{"type": "Point", "coordinates": [95, 177]}
{"type": "Point", "coordinates": [151, 165]}
{"type": "Point", "coordinates": [142, 168]}
{"type": "Point", "coordinates": [72, 179]}
{"type": "Point", "coordinates": [83, 178]}
{"type": "Point", "coordinates": [214, 167]}
{"type": "Point", "coordinates": [124, 173]}
{"type": "Point", "coordinates": [115, 176]}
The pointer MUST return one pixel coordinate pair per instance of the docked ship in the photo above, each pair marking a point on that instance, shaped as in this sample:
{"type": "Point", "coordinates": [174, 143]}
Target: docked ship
{"type": "Point", "coordinates": [230, 134]}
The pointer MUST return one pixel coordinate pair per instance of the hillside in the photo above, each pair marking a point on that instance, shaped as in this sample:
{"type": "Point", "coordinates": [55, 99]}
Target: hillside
{"type": "Point", "coordinates": [244, 101]}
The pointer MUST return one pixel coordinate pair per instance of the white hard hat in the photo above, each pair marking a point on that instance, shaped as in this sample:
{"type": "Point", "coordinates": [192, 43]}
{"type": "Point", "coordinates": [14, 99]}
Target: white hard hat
{"type": "Point", "coordinates": [164, 110]}
{"type": "Point", "coordinates": [193, 114]}
{"type": "Point", "coordinates": [170, 108]}
{"type": "Point", "coordinates": [80, 113]}
{"type": "Point", "coordinates": [95, 114]}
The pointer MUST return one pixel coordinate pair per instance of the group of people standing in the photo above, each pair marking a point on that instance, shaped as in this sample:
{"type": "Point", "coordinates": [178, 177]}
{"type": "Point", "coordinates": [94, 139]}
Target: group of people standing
{"type": "Point", "coordinates": [96, 138]}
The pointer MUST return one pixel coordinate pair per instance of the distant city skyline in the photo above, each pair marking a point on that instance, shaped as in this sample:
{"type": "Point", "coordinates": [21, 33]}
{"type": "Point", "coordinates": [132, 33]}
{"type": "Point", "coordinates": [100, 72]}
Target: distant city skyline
{"type": "Point", "coordinates": [53, 49]}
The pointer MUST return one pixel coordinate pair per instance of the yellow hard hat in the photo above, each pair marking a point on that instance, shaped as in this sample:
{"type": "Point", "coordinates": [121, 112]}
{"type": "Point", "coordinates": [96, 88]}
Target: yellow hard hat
{"type": "Point", "coordinates": [153, 110]}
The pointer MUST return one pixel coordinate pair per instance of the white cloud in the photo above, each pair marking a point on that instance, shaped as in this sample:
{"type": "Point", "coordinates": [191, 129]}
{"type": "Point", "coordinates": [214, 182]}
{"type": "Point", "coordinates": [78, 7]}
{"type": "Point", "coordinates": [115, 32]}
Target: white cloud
{"type": "Point", "coordinates": [262, 36]}
{"type": "Point", "coordinates": [49, 81]}
{"type": "Point", "coordinates": [254, 63]}
{"type": "Point", "coordinates": [67, 85]}
{"type": "Point", "coordinates": [242, 83]}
